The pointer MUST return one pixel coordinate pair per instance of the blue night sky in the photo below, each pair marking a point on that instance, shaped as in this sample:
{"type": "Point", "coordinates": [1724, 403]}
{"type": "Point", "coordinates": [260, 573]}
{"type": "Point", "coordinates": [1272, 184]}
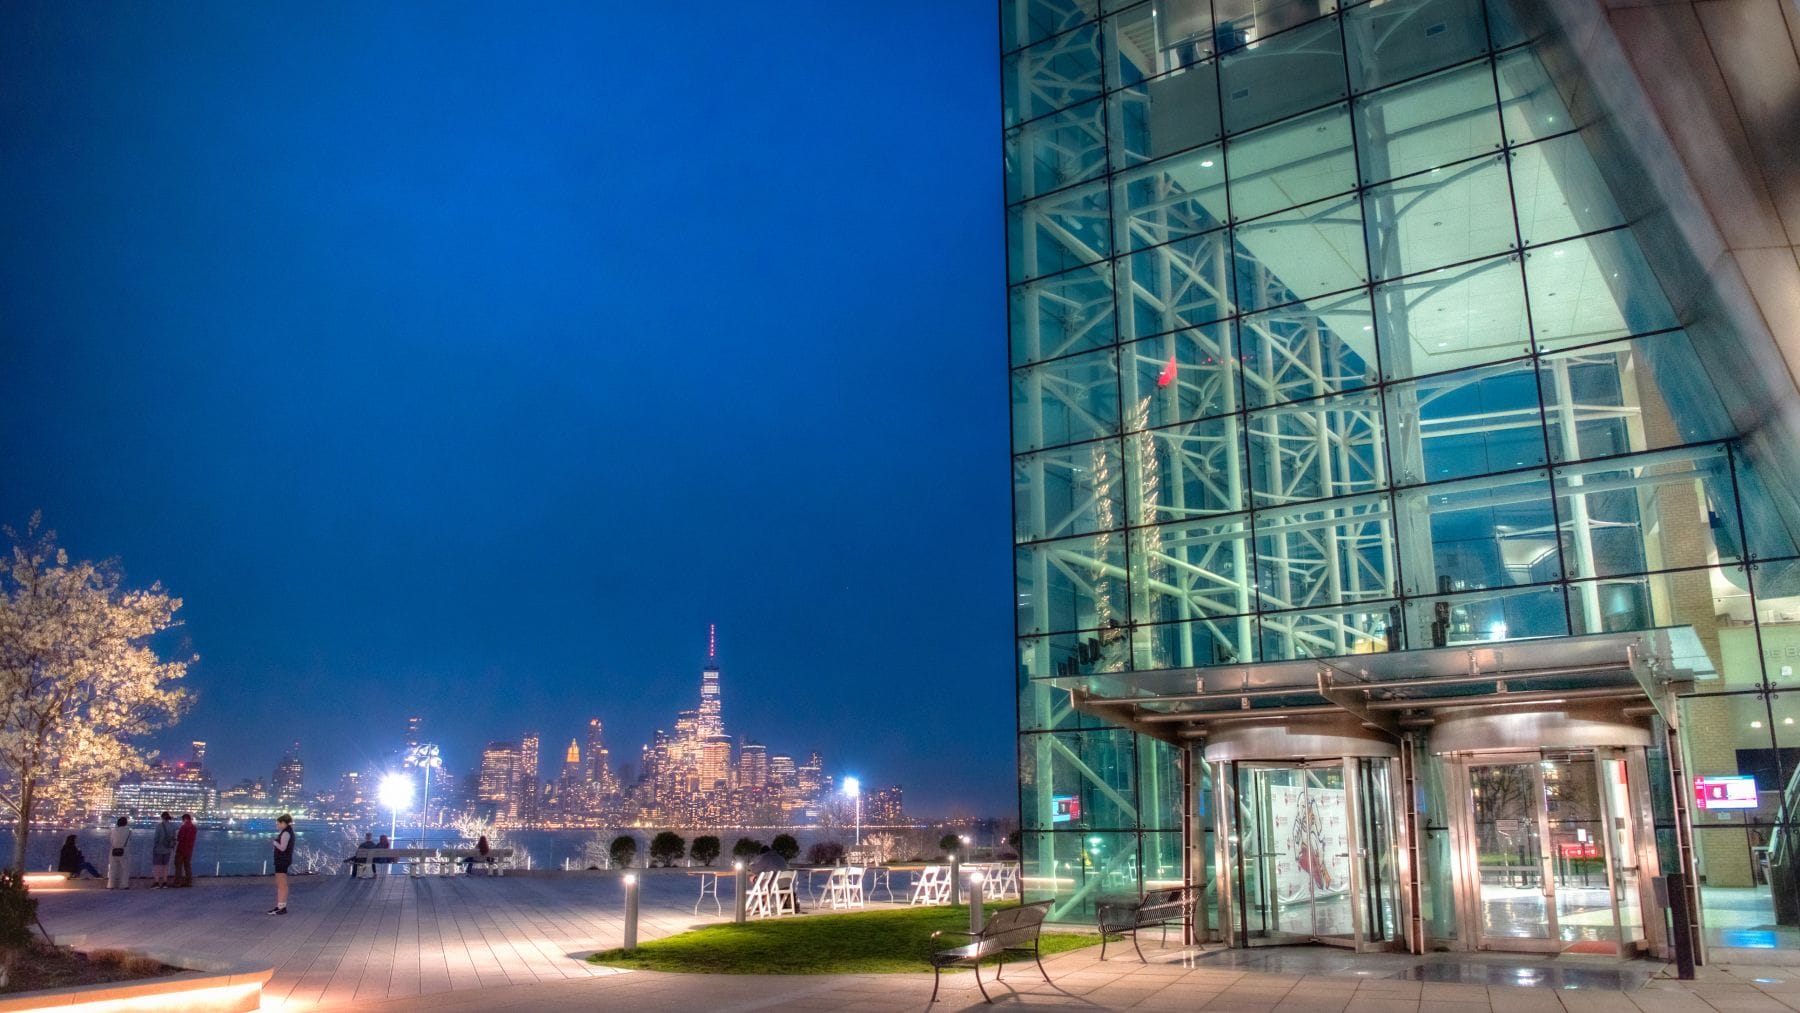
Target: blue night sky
{"type": "Point", "coordinates": [430, 347]}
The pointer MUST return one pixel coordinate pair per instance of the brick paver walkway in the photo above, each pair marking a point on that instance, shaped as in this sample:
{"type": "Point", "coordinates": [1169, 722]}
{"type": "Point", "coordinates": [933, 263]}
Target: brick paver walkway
{"type": "Point", "coordinates": [460, 944]}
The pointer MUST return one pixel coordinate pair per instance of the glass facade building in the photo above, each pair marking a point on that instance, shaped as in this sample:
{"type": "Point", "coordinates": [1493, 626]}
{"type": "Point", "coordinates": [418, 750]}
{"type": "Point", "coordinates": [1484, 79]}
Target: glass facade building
{"type": "Point", "coordinates": [1346, 403]}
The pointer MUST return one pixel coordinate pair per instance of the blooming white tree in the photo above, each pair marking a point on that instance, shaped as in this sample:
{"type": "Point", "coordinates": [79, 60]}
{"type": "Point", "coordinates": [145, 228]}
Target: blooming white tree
{"type": "Point", "coordinates": [79, 677]}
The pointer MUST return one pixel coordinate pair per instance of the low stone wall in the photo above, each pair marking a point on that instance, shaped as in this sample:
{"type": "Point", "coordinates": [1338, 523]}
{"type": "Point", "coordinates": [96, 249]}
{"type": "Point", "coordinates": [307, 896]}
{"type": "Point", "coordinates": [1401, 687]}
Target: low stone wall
{"type": "Point", "coordinates": [209, 986]}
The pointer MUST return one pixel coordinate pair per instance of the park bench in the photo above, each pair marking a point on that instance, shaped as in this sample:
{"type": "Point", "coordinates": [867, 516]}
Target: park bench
{"type": "Point", "coordinates": [1010, 930]}
{"type": "Point", "coordinates": [442, 861]}
{"type": "Point", "coordinates": [1156, 907]}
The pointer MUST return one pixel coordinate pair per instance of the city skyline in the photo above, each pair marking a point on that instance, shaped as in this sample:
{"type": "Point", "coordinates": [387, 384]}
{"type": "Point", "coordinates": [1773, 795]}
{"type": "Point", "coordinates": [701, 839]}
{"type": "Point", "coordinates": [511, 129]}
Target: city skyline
{"type": "Point", "coordinates": [433, 397]}
{"type": "Point", "coordinates": [691, 773]}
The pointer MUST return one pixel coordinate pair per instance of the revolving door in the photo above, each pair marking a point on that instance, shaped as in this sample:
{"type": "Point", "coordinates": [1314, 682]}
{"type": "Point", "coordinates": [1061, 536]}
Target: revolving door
{"type": "Point", "coordinates": [1307, 851]}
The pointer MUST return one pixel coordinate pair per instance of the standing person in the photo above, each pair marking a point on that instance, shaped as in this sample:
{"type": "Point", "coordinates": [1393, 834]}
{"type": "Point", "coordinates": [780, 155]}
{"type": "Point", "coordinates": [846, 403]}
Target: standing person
{"type": "Point", "coordinates": [162, 848]}
{"type": "Point", "coordinates": [284, 857]}
{"type": "Point", "coordinates": [184, 850]}
{"type": "Point", "coordinates": [118, 866]}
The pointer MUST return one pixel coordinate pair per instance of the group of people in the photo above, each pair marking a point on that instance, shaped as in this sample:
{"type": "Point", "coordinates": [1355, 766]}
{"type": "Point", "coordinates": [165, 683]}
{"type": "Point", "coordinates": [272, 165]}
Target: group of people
{"type": "Point", "coordinates": [170, 842]}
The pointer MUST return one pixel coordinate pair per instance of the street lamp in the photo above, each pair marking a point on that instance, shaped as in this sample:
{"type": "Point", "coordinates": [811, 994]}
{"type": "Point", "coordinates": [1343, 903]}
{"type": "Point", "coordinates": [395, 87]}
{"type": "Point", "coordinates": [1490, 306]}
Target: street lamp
{"type": "Point", "coordinates": [853, 788]}
{"type": "Point", "coordinates": [395, 794]}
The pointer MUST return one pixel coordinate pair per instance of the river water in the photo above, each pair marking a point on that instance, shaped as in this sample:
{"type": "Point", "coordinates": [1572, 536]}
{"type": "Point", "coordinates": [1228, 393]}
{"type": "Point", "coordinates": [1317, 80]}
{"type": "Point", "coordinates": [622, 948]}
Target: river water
{"type": "Point", "coordinates": [246, 851]}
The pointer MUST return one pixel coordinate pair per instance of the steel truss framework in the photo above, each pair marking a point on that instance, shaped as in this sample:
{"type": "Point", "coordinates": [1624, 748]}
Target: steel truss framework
{"type": "Point", "coordinates": [1217, 457]}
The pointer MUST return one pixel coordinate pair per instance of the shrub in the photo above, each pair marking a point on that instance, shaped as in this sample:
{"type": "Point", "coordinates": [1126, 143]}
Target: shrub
{"type": "Point", "coordinates": [622, 851]}
{"type": "Point", "coordinates": [825, 853]}
{"type": "Point", "coordinates": [949, 843]}
{"type": "Point", "coordinates": [785, 846]}
{"type": "Point", "coordinates": [746, 847]}
{"type": "Point", "coordinates": [18, 913]}
{"type": "Point", "coordinates": [704, 849]}
{"type": "Point", "coordinates": [666, 849]}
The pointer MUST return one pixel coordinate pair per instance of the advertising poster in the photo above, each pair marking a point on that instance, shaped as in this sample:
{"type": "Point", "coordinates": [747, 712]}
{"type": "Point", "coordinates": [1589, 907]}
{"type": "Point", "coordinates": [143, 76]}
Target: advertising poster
{"type": "Point", "coordinates": [1312, 842]}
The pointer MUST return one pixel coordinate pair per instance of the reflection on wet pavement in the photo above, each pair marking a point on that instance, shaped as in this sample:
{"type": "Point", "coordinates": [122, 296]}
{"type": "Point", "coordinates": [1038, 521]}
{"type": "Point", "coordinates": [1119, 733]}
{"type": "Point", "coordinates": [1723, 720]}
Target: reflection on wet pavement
{"type": "Point", "coordinates": [1472, 969]}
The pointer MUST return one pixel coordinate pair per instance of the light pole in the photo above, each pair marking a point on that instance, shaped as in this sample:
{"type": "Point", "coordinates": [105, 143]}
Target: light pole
{"type": "Point", "coordinates": [395, 794]}
{"type": "Point", "coordinates": [853, 788]}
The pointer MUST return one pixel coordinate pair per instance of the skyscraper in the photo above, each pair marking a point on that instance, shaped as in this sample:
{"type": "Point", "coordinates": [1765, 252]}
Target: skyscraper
{"type": "Point", "coordinates": [711, 718]}
{"type": "Point", "coordinates": [289, 782]}
{"type": "Point", "coordinates": [599, 759]}
{"type": "Point", "coordinates": [498, 780]}
{"type": "Point", "coordinates": [528, 788]}
{"type": "Point", "coordinates": [1399, 439]}
{"type": "Point", "coordinates": [753, 765]}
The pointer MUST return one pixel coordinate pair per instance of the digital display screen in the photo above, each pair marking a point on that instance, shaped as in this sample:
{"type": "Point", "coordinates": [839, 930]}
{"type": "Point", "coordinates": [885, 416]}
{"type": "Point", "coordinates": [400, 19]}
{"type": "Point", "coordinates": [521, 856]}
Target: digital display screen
{"type": "Point", "coordinates": [1065, 809]}
{"type": "Point", "coordinates": [1727, 792]}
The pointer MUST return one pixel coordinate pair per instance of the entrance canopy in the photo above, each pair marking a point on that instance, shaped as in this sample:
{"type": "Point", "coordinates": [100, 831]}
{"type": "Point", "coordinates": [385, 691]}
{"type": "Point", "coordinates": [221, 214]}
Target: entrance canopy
{"type": "Point", "coordinates": [1179, 705]}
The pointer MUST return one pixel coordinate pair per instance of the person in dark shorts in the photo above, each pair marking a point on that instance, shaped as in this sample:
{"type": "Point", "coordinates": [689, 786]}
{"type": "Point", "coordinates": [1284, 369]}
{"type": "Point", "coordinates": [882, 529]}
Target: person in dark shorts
{"type": "Point", "coordinates": [284, 857]}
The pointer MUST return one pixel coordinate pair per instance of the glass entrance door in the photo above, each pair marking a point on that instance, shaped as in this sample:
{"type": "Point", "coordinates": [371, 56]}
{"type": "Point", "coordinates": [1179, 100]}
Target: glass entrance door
{"type": "Point", "coordinates": [1549, 853]}
{"type": "Point", "coordinates": [1308, 852]}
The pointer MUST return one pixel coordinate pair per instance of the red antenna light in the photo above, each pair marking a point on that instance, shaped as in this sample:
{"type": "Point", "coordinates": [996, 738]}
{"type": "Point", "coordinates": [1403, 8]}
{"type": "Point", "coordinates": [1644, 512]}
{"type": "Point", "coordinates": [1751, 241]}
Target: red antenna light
{"type": "Point", "coordinates": [712, 642]}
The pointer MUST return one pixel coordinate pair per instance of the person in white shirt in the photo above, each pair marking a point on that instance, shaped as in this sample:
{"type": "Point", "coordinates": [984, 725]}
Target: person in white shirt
{"type": "Point", "coordinates": [118, 865]}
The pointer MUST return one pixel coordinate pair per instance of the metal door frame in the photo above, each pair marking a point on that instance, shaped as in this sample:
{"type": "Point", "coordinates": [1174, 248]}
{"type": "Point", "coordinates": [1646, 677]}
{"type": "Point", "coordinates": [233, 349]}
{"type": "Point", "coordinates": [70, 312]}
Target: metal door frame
{"type": "Point", "coordinates": [1466, 858]}
{"type": "Point", "coordinates": [1228, 867]}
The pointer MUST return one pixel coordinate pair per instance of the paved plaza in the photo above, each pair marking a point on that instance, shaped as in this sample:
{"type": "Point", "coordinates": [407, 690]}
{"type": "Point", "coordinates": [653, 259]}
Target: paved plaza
{"type": "Point", "coordinates": [459, 943]}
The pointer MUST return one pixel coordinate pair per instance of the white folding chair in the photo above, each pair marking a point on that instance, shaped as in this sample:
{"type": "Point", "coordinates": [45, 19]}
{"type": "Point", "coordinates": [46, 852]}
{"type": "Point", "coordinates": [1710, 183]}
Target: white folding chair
{"type": "Point", "coordinates": [853, 886]}
{"type": "Point", "coordinates": [758, 900]}
{"type": "Point", "coordinates": [782, 895]}
{"type": "Point", "coordinates": [925, 888]}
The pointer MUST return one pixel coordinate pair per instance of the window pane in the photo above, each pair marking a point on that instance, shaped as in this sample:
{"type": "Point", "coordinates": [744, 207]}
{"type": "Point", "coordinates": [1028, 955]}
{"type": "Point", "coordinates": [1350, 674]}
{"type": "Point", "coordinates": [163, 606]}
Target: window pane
{"type": "Point", "coordinates": [1560, 192]}
{"type": "Point", "coordinates": [1428, 123]}
{"type": "Point", "coordinates": [1696, 598]}
{"type": "Point", "coordinates": [1503, 613]}
{"type": "Point", "coordinates": [1452, 317]}
{"type": "Point", "coordinates": [1283, 74]}
{"type": "Point", "coordinates": [1767, 530]}
{"type": "Point", "coordinates": [1444, 216]}
{"type": "Point", "coordinates": [1194, 469]}
{"type": "Point", "coordinates": [1181, 284]}
{"type": "Point", "coordinates": [1054, 233]}
{"type": "Point", "coordinates": [1071, 653]}
{"type": "Point", "coordinates": [1182, 375]}
{"type": "Point", "coordinates": [1325, 553]}
{"type": "Point", "coordinates": [1530, 105]}
{"type": "Point", "coordinates": [1155, 38]}
{"type": "Point", "coordinates": [1064, 313]}
{"type": "Point", "coordinates": [1400, 39]}
{"type": "Point", "coordinates": [1051, 75]}
{"type": "Point", "coordinates": [1316, 449]}
{"type": "Point", "coordinates": [1488, 532]}
{"type": "Point", "coordinates": [1591, 289]}
{"type": "Point", "coordinates": [1656, 511]}
{"type": "Point", "coordinates": [1626, 396]}
{"type": "Point", "coordinates": [1071, 400]}
{"type": "Point", "coordinates": [1025, 21]}
{"type": "Point", "coordinates": [1053, 152]}
{"type": "Point", "coordinates": [1471, 422]}
{"type": "Point", "coordinates": [1326, 633]}
{"type": "Point", "coordinates": [1176, 197]}
{"type": "Point", "coordinates": [1068, 491]}
{"type": "Point", "coordinates": [1172, 113]}
{"type": "Point", "coordinates": [1094, 767]}
{"type": "Point", "coordinates": [1301, 253]}
{"type": "Point", "coordinates": [1074, 584]}
{"type": "Point", "coordinates": [1298, 352]}
{"type": "Point", "coordinates": [1246, 21]}
{"type": "Point", "coordinates": [1190, 570]}
{"type": "Point", "coordinates": [1224, 641]}
{"type": "Point", "coordinates": [1292, 163]}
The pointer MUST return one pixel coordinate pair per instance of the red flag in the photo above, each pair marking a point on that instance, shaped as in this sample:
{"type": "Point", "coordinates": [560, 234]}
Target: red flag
{"type": "Point", "coordinates": [1167, 376]}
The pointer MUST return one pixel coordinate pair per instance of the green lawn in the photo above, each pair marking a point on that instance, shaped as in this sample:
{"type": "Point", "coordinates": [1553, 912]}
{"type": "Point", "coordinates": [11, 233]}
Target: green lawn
{"type": "Point", "coordinates": [868, 942]}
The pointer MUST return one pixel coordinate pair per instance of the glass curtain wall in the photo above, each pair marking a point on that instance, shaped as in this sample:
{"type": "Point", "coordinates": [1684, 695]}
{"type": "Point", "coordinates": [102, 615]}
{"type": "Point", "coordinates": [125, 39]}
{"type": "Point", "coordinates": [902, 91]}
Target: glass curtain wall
{"type": "Point", "coordinates": [1327, 337]}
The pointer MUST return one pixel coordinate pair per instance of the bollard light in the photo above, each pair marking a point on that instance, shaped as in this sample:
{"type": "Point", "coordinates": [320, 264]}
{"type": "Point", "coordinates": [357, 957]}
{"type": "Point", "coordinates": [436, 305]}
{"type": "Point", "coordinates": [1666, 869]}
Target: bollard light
{"type": "Point", "coordinates": [975, 881]}
{"type": "Point", "coordinates": [631, 911]}
{"type": "Point", "coordinates": [739, 905]}
{"type": "Point", "coordinates": [955, 877]}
